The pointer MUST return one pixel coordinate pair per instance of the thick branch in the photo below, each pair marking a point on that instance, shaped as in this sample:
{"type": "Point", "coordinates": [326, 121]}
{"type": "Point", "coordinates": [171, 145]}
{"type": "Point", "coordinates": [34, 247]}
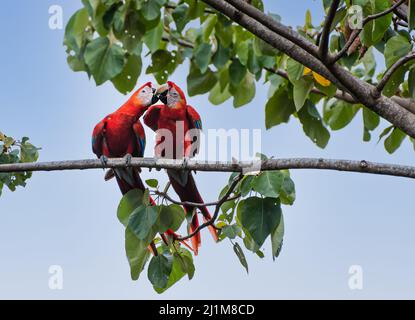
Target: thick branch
{"type": "Point", "coordinates": [325, 35]}
{"type": "Point", "coordinates": [273, 25]}
{"type": "Point", "coordinates": [267, 165]}
{"type": "Point", "coordinates": [362, 91]}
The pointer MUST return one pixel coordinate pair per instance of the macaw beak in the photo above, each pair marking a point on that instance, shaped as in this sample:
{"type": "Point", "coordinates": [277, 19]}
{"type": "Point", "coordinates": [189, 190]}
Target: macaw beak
{"type": "Point", "coordinates": [155, 96]}
{"type": "Point", "coordinates": [162, 93]}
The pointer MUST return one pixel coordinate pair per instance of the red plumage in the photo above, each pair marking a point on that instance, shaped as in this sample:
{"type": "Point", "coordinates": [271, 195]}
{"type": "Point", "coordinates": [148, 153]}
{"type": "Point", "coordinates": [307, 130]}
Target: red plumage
{"type": "Point", "coordinates": [121, 133]}
{"type": "Point", "coordinates": [185, 125]}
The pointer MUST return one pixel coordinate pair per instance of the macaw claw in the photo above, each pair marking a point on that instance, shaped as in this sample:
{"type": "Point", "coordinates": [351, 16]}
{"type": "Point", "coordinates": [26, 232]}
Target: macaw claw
{"type": "Point", "coordinates": [128, 157]}
{"type": "Point", "coordinates": [104, 160]}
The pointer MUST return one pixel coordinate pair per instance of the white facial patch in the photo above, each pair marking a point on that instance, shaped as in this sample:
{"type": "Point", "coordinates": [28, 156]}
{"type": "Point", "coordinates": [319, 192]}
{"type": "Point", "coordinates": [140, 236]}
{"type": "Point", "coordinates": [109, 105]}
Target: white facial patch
{"type": "Point", "coordinates": [173, 97]}
{"type": "Point", "coordinates": [145, 95]}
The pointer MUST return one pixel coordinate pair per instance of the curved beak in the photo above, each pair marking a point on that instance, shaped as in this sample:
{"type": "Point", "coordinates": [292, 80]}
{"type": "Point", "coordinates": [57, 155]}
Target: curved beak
{"type": "Point", "coordinates": [155, 96]}
{"type": "Point", "coordinates": [162, 93]}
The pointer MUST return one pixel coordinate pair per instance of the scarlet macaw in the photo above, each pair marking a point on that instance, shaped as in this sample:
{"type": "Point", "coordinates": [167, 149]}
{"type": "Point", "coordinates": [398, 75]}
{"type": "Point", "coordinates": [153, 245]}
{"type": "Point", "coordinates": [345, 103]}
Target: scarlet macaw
{"type": "Point", "coordinates": [173, 113]}
{"type": "Point", "coordinates": [121, 134]}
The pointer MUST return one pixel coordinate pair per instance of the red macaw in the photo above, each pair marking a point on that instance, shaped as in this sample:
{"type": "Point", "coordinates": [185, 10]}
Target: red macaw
{"type": "Point", "coordinates": [173, 113]}
{"type": "Point", "coordinates": [121, 134]}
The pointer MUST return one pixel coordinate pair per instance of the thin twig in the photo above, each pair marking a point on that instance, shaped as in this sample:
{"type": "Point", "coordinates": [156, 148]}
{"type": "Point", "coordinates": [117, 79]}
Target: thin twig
{"type": "Point", "coordinates": [325, 36]}
{"type": "Point", "coordinates": [356, 32]}
{"type": "Point", "coordinates": [388, 74]}
{"type": "Point", "coordinates": [192, 204]}
{"type": "Point", "coordinates": [217, 209]}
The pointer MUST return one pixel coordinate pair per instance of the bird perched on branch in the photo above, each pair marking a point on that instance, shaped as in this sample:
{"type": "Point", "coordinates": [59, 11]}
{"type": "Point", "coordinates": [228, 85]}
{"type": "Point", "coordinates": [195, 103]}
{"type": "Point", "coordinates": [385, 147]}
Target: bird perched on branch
{"type": "Point", "coordinates": [178, 127]}
{"type": "Point", "coordinates": [121, 134]}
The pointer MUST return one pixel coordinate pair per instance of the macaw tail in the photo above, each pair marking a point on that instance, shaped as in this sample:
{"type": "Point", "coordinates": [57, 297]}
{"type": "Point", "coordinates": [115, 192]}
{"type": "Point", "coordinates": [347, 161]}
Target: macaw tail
{"type": "Point", "coordinates": [185, 186]}
{"type": "Point", "coordinates": [128, 179]}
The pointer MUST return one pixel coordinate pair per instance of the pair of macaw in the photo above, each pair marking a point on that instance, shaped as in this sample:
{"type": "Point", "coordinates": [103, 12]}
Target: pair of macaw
{"type": "Point", "coordinates": [121, 134]}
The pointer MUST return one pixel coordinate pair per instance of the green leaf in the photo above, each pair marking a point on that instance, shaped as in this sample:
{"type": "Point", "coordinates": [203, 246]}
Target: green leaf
{"type": "Point", "coordinates": [163, 64]}
{"type": "Point", "coordinates": [153, 37]}
{"type": "Point", "coordinates": [279, 108]}
{"type": "Point", "coordinates": [202, 56]}
{"type": "Point", "coordinates": [268, 183]}
{"type": "Point", "coordinates": [259, 217]}
{"type": "Point", "coordinates": [231, 231]}
{"type": "Point", "coordinates": [142, 220]}
{"type": "Point", "coordinates": [127, 79]}
{"type": "Point", "coordinates": [394, 141]}
{"type": "Point", "coordinates": [137, 253]}
{"type": "Point", "coordinates": [371, 119]}
{"type": "Point", "coordinates": [339, 114]}
{"type": "Point", "coordinates": [153, 183]}
{"type": "Point", "coordinates": [221, 56]}
{"type": "Point", "coordinates": [245, 92]}
{"type": "Point", "coordinates": [75, 30]}
{"type": "Point", "coordinates": [208, 26]}
{"type": "Point", "coordinates": [104, 60]}
{"type": "Point", "coordinates": [287, 192]}
{"type": "Point", "coordinates": [170, 217]}
{"type": "Point", "coordinates": [217, 97]}
{"type": "Point", "coordinates": [396, 47]}
{"type": "Point", "coordinates": [302, 89]}
{"type": "Point", "coordinates": [159, 270]}
{"type": "Point", "coordinates": [180, 16]}
{"type": "Point", "coordinates": [374, 30]}
{"type": "Point", "coordinates": [237, 72]}
{"type": "Point", "coordinates": [242, 50]}
{"type": "Point", "coordinates": [129, 202]}
{"type": "Point", "coordinates": [151, 9]}
{"type": "Point", "coordinates": [385, 132]}
{"type": "Point", "coordinates": [395, 81]}
{"type": "Point", "coordinates": [28, 152]}
{"type": "Point", "coordinates": [241, 256]}
{"type": "Point", "coordinates": [294, 70]}
{"type": "Point", "coordinates": [182, 265]}
{"type": "Point", "coordinates": [277, 237]}
{"type": "Point", "coordinates": [313, 125]}
{"type": "Point", "coordinates": [198, 83]}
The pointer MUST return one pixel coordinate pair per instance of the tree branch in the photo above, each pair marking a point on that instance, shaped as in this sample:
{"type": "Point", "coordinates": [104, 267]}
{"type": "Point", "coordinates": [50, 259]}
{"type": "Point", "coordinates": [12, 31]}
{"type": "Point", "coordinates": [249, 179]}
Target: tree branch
{"type": "Point", "coordinates": [224, 199]}
{"type": "Point", "coordinates": [273, 25]}
{"type": "Point", "coordinates": [267, 165]}
{"type": "Point", "coordinates": [388, 74]}
{"type": "Point", "coordinates": [356, 32]}
{"type": "Point", "coordinates": [401, 11]}
{"type": "Point", "coordinates": [325, 35]}
{"type": "Point", "coordinates": [192, 204]}
{"type": "Point", "coordinates": [362, 91]}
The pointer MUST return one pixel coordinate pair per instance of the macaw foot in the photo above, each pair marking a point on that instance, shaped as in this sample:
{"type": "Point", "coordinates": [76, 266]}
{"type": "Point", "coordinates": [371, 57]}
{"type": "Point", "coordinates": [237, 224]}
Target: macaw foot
{"type": "Point", "coordinates": [104, 160]}
{"type": "Point", "coordinates": [127, 159]}
{"type": "Point", "coordinates": [185, 162]}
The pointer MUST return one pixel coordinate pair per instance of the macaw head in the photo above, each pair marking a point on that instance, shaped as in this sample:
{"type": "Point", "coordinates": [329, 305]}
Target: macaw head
{"type": "Point", "coordinates": [171, 95]}
{"type": "Point", "coordinates": [145, 96]}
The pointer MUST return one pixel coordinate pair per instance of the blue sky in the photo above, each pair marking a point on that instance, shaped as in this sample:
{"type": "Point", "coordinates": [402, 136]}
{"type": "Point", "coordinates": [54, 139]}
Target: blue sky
{"type": "Point", "coordinates": [69, 218]}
